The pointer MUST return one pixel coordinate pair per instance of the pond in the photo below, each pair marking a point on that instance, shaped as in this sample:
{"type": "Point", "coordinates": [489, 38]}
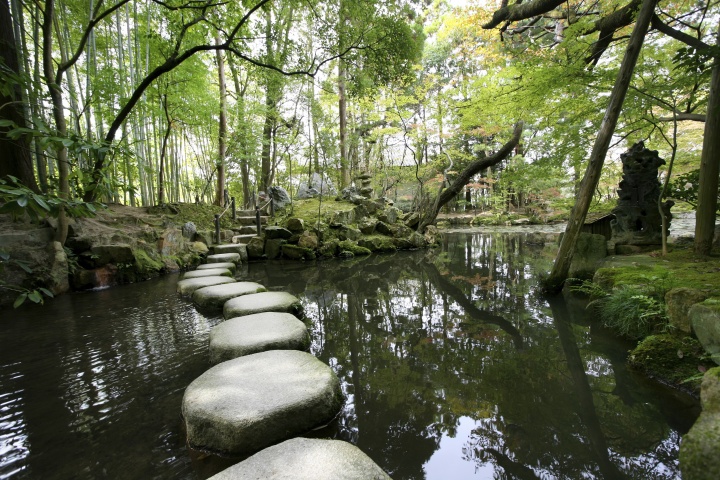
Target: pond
{"type": "Point", "coordinates": [453, 367]}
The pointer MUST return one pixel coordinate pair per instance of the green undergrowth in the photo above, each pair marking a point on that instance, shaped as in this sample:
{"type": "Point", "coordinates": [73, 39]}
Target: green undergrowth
{"type": "Point", "coordinates": [203, 216]}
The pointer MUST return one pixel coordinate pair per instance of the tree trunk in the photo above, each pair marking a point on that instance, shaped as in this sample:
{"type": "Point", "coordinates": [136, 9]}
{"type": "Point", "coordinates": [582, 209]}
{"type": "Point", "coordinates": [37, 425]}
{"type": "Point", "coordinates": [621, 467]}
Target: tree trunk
{"type": "Point", "coordinates": [559, 273]}
{"type": "Point", "coordinates": [222, 130]}
{"type": "Point", "coordinates": [464, 177]}
{"type": "Point", "coordinates": [15, 159]}
{"type": "Point", "coordinates": [342, 110]}
{"type": "Point", "coordinates": [709, 167]}
{"type": "Point", "coordinates": [163, 153]}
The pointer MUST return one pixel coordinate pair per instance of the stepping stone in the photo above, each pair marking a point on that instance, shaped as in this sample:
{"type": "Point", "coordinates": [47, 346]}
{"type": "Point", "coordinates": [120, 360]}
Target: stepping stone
{"type": "Point", "coordinates": [216, 296]}
{"type": "Point", "coordinates": [244, 239]}
{"type": "Point", "coordinates": [250, 334]}
{"type": "Point", "coordinates": [224, 257]}
{"type": "Point", "coordinates": [246, 404]}
{"type": "Point", "coordinates": [262, 302]}
{"type": "Point", "coordinates": [232, 248]}
{"type": "Point", "coordinates": [209, 272]}
{"type": "Point", "coordinates": [187, 287]}
{"type": "Point", "coordinates": [306, 459]}
{"type": "Point", "coordinates": [229, 265]}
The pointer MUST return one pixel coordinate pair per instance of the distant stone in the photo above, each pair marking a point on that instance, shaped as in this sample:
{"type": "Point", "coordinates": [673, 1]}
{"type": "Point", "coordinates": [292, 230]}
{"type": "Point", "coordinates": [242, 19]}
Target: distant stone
{"type": "Point", "coordinates": [306, 459]}
{"type": "Point", "coordinates": [224, 257]}
{"type": "Point", "coordinates": [349, 233]}
{"type": "Point", "coordinates": [214, 297]}
{"type": "Point", "coordinates": [189, 230]}
{"type": "Point", "coordinates": [367, 226]}
{"type": "Point", "coordinates": [274, 232]}
{"type": "Point", "coordinates": [417, 240]}
{"type": "Point", "coordinates": [432, 235]}
{"type": "Point", "coordinates": [208, 266]}
{"type": "Point", "coordinates": [699, 459]}
{"type": "Point", "coordinates": [187, 287]}
{"type": "Point", "coordinates": [401, 231]}
{"type": "Point", "coordinates": [342, 217]}
{"type": "Point", "coordinates": [317, 185]}
{"type": "Point", "coordinates": [705, 319]}
{"type": "Point", "coordinates": [383, 229]}
{"type": "Point", "coordinates": [256, 333]}
{"type": "Point", "coordinates": [246, 404]}
{"type": "Point", "coordinates": [360, 212]}
{"type": "Point", "coordinates": [295, 225]}
{"type": "Point", "coordinates": [263, 302]}
{"type": "Point", "coordinates": [679, 301]}
{"type": "Point", "coordinates": [210, 272]}
{"type": "Point", "coordinates": [412, 220]}
{"type": "Point", "coordinates": [348, 193]}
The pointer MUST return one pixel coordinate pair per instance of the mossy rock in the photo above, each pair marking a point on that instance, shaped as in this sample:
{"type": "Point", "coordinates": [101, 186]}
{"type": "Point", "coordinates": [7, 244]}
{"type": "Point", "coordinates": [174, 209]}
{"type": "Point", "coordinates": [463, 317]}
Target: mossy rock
{"type": "Point", "coordinates": [699, 459]}
{"type": "Point", "coordinates": [377, 243]}
{"type": "Point", "coordinates": [671, 360]}
{"type": "Point", "coordinates": [705, 319]}
{"type": "Point", "coordinates": [294, 252]}
{"type": "Point", "coordinates": [352, 247]}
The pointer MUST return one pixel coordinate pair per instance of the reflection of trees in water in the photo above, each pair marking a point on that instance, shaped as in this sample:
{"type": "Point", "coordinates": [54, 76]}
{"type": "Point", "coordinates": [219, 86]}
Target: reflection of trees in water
{"type": "Point", "coordinates": [422, 339]}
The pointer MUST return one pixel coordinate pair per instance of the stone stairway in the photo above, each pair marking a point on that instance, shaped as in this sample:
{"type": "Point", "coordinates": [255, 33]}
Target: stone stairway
{"type": "Point", "coordinates": [247, 221]}
{"type": "Point", "coordinates": [265, 387]}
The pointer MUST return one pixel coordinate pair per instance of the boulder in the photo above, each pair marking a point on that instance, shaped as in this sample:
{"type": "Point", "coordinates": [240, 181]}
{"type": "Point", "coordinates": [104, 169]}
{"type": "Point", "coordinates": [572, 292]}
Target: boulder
{"type": "Point", "coordinates": [367, 226]}
{"type": "Point", "coordinates": [360, 212]}
{"type": "Point", "coordinates": [280, 197]}
{"type": "Point", "coordinates": [273, 232]}
{"type": "Point", "coordinates": [342, 217]}
{"type": "Point", "coordinates": [189, 230]}
{"type": "Point", "coordinates": [199, 247]}
{"type": "Point", "coordinates": [295, 225]}
{"type": "Point", "coordinates": [204, 236]}
{"type": "Point", "coordinates": [256, 333]}
{"type": "Point", "coordinates": [348, 193]}
{"type": "Point", "coordinates": [295, 252]}
{"type": "Point", "coordinates": [256, 247]}
{"type": "Point", "coordinates": [116, 254]}
{"type": "Point", "coordinates": [308, 240]}
{"type": "Point", "coordinates": [699, 459]}
{"type": "Point", "coordinates": [210, 272]}
{"type": "Point", "coordinates": [273, 247]}
{"type": "Point", "coordinates": [246, 404]}
{"type": "Point", "coordinates": [187, 287]}
{"type": "Point", "coordinates": [329, 248]}
{"type": "Point", "coordinates": [432, 234]}
{"type": "Point", "coordinates": [224, 258]}
{"type": "Point", "coordinates": [384, 229]}
{"type": "Point", "coordinates": [58, 281]}
{"type": "Point", "coordinates": [705, 319]}
{"type": "Point", "coordinates": [349, 233]}
{"type": "Point", "coordinates": [214, 297]}
{"type": "Point", "coordinates": [306, 459]}
{"type": "Point", "coordinates": [376, 243]}
{"type": "Point", "coordinates": [417, 240]}
{"type": "Point", "coordinates": [263, 302]}
{"type": "Point", "coordinates": [412, 220]}
{"type": "Point", "coordinates": [171, 242]}
{"type": "Point", "coordinates": [207, 266]}
{"type": "Point", "coordinates": [679, 301]}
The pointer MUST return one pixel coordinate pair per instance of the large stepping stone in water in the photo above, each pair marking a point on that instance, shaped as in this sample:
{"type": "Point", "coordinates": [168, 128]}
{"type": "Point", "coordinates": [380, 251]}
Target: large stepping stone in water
{"type": "Point", "coordinates": [246, 404]}
{"type": "Point", "coordinates": [240, 249]}
{"type": "Point", "coordinates": [187, 287]}
{"type": "Point", "coordinates": [210, 272]}
{"type": "Point", "coordinates": [262, 302]}
{"type": "Point", "coordinates": [260, 332]}
{"type": "Point", "coordinates": [207, 266]}
{"type": "Point", "coordinates": [216, 296]}
{"type": "Point", "coordinates": [306, 459]}
{"type": "Point", "coordinates": [224, 257]}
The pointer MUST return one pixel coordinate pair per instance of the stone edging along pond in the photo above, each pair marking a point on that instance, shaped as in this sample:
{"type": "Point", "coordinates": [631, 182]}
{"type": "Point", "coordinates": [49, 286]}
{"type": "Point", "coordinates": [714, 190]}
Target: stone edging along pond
{"type": "Point", "coordinates": [265, 387]}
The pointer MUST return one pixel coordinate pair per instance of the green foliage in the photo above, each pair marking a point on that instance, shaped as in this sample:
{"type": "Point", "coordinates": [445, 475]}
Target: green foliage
{"type": "Point", "coordinates": [685, 188]}
{"type": "Point", "coordinates": [34, 295]}
{"type": "Point", "coordinates": [18, 200]}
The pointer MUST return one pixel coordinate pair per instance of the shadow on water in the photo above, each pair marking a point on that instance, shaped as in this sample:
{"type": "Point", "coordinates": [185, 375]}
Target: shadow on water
{"type": "Point", "coordinates": [451, 365]}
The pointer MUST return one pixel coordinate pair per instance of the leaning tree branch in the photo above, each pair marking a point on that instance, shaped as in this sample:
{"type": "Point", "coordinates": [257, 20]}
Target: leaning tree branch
{"type": "Point", "coordinates": [464, 177]}
{"type": "Point", "coordinates": [521, 11]}
{"type": "Point", "coordinates": [683, 37]}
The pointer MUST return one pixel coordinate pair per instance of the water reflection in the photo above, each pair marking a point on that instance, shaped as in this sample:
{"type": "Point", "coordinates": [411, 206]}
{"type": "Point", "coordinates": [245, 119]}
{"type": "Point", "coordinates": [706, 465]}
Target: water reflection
{"type": "Point", "coordinates": [449, 357]}
{"type": "Point", "coordinates": [452, 368]}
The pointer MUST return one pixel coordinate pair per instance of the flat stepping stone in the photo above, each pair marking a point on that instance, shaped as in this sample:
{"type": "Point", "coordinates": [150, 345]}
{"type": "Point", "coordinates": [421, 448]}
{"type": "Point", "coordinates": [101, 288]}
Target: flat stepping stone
{"type": "Point", "coordinates": [306, 459]}
{"type": "Point", "coordinates": [262, 302]}
{"type": "Point", "coordinates": [224, 257]}
{"type": "Point", "coordinates": [216, 296]}
{"type": "Point", "coordinates": [229, 265]}
{"type": "Point", "coordinates": [246, 404]}
{"type": "Point", "coordinates": [256, 333]}
{"type": "Point", "coordinates": [232, 248]}
{"type": "Point", "coordinates": [209, 272]}
{"type": "Point", "coordinates": [188, 286]}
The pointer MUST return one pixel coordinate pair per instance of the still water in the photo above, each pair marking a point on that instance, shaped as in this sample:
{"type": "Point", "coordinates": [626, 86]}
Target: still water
{"type": "Point", "coordinates": [452, 367]}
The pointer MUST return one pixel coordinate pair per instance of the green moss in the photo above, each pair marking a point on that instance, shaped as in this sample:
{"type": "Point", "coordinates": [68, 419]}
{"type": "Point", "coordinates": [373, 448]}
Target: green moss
{"type": "Point", "coordinates": [145, 265]}
{"type": "Point", "coordinates": [377, 243]}
{"type": "Point", "coordinates": [352, 247]}
{"type": "Point", "coordinates": [308, 210]}
{"type": "Point", "coordinates": [671, 360]}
